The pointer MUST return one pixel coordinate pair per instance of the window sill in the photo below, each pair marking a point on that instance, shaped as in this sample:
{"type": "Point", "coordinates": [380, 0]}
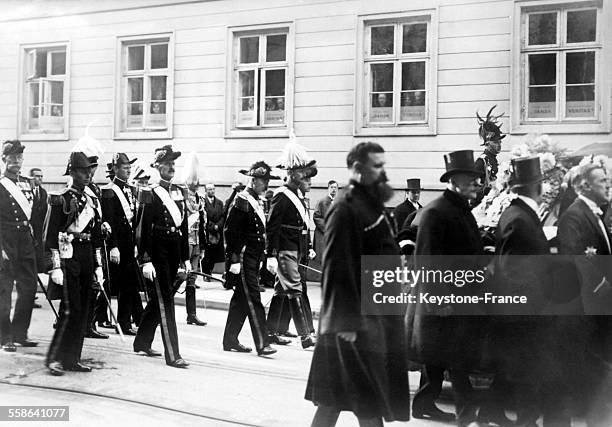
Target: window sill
{"type": "Point", "coordinates": [43, 137]}
{"type": "Point", "coordinates": [257, 133]}
{"type": "Point", "coordinates": [143, 135]}
{"type": "Point", "coordinates": [412, 130]}
{"type": "Point", "coordinates": [560, 128]}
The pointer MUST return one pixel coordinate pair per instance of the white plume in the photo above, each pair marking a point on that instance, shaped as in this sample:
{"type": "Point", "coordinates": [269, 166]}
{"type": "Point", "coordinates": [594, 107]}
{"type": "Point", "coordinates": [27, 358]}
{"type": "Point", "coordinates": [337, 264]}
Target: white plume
{"type": "Point", "coordinates": [293, 155]}
{"type": "Point", "coordinates": [89, 145]}
{"type": "Point", "coordinates": [190, 173]}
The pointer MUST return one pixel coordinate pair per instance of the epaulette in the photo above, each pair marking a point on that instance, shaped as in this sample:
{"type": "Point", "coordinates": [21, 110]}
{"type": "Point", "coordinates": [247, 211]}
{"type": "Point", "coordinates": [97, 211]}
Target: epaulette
{"type": "Point", "coordinates": [241, 203]}
{"type": "Point", "coordinates": [145, 195]}
{"type": "Point", "coordinates": [107, 192]}
{"type": "Point", "coordinates": [183, 189]}
{"type": "Point", "coordinates": [56, 198]}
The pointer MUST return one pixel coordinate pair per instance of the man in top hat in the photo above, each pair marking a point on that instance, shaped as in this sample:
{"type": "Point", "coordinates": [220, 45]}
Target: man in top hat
{"type": "Point", "coordinates": [119, 211]}
{"type": "Point", "coordinates": [215, 216]}
{"type": "Point", "coordinates": [74, 237]}
{"type": "Point", "coordinates": [245, 238]}
{"type": "Point", "coordinates": [17, 247]}
{"type": "Point", "coordinates": [437, 339]}
{"type": "Point", "coordinates": [164, 246]}
{"type": "Point", "coordinates": [411, 204]}
{"type": "Point", "coordinates": [490, 132]}
{"type": "Point", "coordinates": [196, 219]}
{"type": "Point", "coordinates": [287, 233]}
{"type": "Point", "coordinates": [39, 212]}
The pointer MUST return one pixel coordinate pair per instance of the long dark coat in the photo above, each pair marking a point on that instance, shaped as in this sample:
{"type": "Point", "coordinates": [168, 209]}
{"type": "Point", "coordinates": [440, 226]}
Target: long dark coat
{"type": "Point", "coordinates": [39, 212]}
{"type": "Point", "coordinates": [369, 376]}
{"type": "Point", "coordinates": [214, 230]}
{"type": "Point", "coordinates": [447, 227]}
{"type": "Point", "coordinates": [402, 211]}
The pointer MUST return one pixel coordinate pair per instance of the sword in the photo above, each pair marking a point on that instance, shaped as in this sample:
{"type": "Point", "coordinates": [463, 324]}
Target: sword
{"type": "Point", "coordinates": [197, 273]}
{"type": "Point", "coordinates": [310, 268]}
{"type": "Point", "coordinates": [47, 296]}
{"type": "Point", "coordinates": [110, 309]}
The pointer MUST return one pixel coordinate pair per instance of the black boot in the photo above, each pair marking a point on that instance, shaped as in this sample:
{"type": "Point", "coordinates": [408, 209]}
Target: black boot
{"type": "Point", "coordinates": [275, 314]}
{"type": "Point", "coordinates": [190, 303]}
{"type": "Point", "coordinates": [298, 312]}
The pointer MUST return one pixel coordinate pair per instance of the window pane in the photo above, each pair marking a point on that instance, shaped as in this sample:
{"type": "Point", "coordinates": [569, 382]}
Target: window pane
{"type": "Point", "coordinates": [41, 63]}
{"type": "Point", "coordinates": [276, 47]}
{"type": "Point", "coordinates": [275, 82]}
{"type": "Point", "coordinates": [246, 114]}
{"type": "Point", "coordinates": [249, 50]}
{"type": "Point", "coordinates": [543, 69]}
{"type": "Point", "coordinates": [413, 75]}
{"type": "Point", "coordinates": [158, 88]}
{"type": "Point", "coordinates": [58, 63]}
{"type": "Point", "coordinates": [33, 107]}
{"type": "Point", "coordinates": [543, 28]}
{"type": "Point", "coordinates": [135, 89]}
{"type": "Point", "coordinates": [57, 92]}
{"type": "Point", "coordinates": [381, 101]}
{"type": "Point", "coordinates": [274, 112]}
{"type": "Point", "coordinates": [159, 56]}
{"type": "Point", "coordinates": [57, 110]}
{"type": "Point", "coordinates": [382, 40]}
{"type": "Point", "coordinates": [414, 38]}
{"type": "Point", "coordinates": [542, 103]}
{"type": "Point", "coordinates": [34, 94]}
{"type": "Point", "coordinates": [580, 101]}
{"type": "Point", "coordinates": [582, 26]}
{"type": "Point", "coordinates": [580, 67]}
{"type": "Point", "coordinates": [134, 106]}
{"type": "Point", "coordinates": [157, 114]}
{"type": "Point", "coordinates": [136, 58]}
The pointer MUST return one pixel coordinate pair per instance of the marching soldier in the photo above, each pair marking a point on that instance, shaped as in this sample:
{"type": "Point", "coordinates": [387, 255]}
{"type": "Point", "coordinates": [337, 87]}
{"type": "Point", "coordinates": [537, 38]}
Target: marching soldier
{"type": "Point", "coordinates": [196, 220]}
{"type": "Point", "coordinates": [164, 245]}
{"type": "Point", "coordinates": [18, 260]}
{"type": "Point", "coordinates": [119, 209]}
{"type": "Point", "coordinates": [287, 231]}
{"type": "Point", "coordinates": [245, 237]}
{"type": "Point", "coordinates": [74, 238]}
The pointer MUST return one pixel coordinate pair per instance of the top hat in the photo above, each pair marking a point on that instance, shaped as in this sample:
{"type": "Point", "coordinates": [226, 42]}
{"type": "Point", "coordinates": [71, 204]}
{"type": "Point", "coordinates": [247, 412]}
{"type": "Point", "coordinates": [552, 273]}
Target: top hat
{"type": "Point", "coordinates": [459, 162]}
{"type": "Point", "coordinates": [122, 159]}
{"type": "Point", "coordinates": [413, 184]}
{"type": "Point", "coordinates": [259, 170]}
{"type": "Point", "coordinates": [78, 160]}
{"type": "Point", "coordinates": [525, 171]}
{"type": "Point", "coordinates": [12, 147]}
{"type": "Point", "coordinates": [165, 154]}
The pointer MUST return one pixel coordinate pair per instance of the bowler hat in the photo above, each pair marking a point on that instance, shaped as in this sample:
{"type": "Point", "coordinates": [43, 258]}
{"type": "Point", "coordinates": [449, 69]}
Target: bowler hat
{"type": "Point", "coordinates": [12, 147]}
{"type": "Point", "coordinates": [122, 159]}
{"type": "Point", "coordinates": [525, 171]}
{"type": "Point", "coordinates": [413, 184]}
{"type": "Point", "coordinates": [461, 161]}
{"type": "Point", "coordinates": [259, 170]}
{"type": "Point", "coordinates": [165, 154]}
{"type": "Point", "coordinates": [78, 160]}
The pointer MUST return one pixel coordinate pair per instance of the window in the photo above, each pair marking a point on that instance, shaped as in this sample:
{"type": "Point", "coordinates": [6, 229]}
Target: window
{"type": "Point", "coordinates": [397, 89]}
{"type": "Point", "coordinates": [560, 61]}
{"type": "Point", "coordinates": [145, 88]}
{"type": "Point", "coordinates": [45, 92]}
{"type": "Point", "coordinates": [261, 73]}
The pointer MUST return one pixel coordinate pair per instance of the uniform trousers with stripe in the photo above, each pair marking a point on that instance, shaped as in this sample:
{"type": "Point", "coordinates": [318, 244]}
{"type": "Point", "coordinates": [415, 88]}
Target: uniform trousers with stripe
{"type": "Point", "coordinates": [246, 301]}
{"type": "Point", "coordinates": [160, 308]}
{"type": "Point", "coordinates": [20, 269]}
{"type": "Point", "coordinates": [67, 342]}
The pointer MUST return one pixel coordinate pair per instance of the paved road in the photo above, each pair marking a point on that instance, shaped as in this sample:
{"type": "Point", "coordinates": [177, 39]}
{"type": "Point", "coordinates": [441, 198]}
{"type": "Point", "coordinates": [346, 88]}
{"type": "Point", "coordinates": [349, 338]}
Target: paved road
{"type": "Point", "coordinates": [219, 388]}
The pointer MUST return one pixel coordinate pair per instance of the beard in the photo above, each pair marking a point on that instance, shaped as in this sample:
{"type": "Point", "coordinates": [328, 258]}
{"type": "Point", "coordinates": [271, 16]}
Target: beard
{"type": "Point", "coordinates": [380, 190]}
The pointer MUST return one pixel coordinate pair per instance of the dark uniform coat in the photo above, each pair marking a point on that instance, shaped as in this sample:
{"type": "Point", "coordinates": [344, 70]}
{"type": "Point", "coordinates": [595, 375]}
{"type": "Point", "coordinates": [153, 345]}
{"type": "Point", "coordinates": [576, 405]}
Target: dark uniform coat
{"type": "Point", "coordinates": [402, 211]}
{"type": "Point", "coordinates": [318, 217]}
{"type": "Point", "coordinates": [369, 376]}
{"type": "Point", "coordinates": [447, 227]}
{"type": "Point", "coordinates": [39, 212]}
{"type": "Point", "coordinates": [215, 216]}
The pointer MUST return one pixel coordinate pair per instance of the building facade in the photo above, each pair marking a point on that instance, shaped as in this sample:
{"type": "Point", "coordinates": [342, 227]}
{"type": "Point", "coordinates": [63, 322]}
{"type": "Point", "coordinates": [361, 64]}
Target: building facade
{"type": "Point", "coordinates": [229, 79]}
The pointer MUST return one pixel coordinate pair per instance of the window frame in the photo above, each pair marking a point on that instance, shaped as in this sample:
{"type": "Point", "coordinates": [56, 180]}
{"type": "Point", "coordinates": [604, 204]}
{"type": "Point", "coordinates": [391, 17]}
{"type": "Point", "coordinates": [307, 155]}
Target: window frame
{"type": "Point", "coordinates": [23, 93]}
{"type": "Point", "coordinates": [363, 79]}
{"type": "Point", "coordinates": [520, 123]}
{"type": "Point", "coordinates": [121, 90]}
{"type": "Point", "coordinates": [233, 67]}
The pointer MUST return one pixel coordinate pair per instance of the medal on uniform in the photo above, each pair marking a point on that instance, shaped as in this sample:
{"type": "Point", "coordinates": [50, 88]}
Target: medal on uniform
{"type": "Point", "coordinates": [65, 245]}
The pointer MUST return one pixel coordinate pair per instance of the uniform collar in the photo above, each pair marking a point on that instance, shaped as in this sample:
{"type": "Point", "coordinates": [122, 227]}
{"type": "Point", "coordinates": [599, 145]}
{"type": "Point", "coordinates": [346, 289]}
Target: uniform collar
{"type": "Point", "coordinates": [165, 184]}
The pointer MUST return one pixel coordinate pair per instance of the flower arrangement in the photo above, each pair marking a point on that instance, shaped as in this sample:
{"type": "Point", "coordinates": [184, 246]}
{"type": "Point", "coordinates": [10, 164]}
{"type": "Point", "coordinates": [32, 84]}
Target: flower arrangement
{"type": "Point", "coordinates": [489, 211]}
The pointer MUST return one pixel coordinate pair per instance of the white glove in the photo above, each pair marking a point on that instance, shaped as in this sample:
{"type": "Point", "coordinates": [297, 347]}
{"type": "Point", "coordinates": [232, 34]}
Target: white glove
{"type": "Point", "coordinates": [114, 255]}
{"type": "Point", "coordinates": [272, 265]}
{"type": "Point", "coordinates": [187, 266]}
{"type": "Point", "coordinates": [235, 268]}
{"type": "Point", "coordinates": [148, 271]}
{"type": "Point", "coordinates": [311, 254]}
{"type": "Point", "coordinates": [99, 275]}
{"type": "Point", "coordinates": [57, 276]}
{"type": "Point", "coordinates": [135, 252]}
